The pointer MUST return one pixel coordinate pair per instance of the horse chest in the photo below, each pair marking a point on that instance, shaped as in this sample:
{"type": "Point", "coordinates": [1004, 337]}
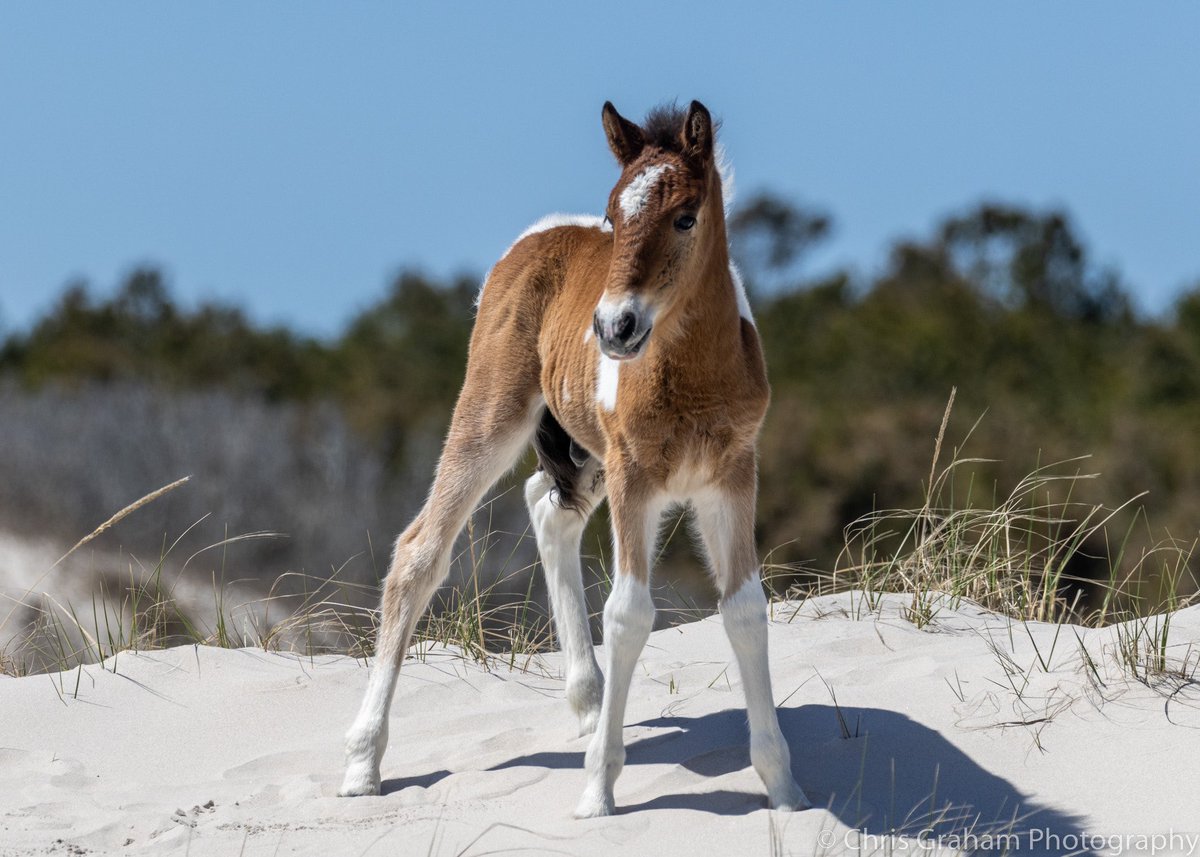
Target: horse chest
{"type": "Point", "coordinates": [667, 417]}
{"type": "Point", "coordinates": [678, 434]}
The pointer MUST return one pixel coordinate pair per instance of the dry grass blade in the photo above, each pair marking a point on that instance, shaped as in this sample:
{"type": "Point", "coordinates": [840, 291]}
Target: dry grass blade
{"type": "Point", "coordinates": [124, 513]}
{"type": "Point", "coordinates": [941, 435]}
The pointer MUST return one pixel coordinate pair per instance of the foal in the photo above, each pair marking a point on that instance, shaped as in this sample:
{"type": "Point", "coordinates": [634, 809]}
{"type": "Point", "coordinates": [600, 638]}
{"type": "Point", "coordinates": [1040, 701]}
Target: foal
{"type": "Point", "coordinates": [624, 349]}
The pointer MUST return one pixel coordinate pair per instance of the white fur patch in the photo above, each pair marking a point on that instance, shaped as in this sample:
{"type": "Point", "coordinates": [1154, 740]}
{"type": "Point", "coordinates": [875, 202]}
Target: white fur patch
{"type": "Point", "coordinates": [551, 221]}
{"type": "Point", "coordinates": [637, 192]}
{"type": "Point", "coordinates": [559, 532]}
{"type": "Point", "coordinates": [588, 334]}
{"type": "Point", "coordinates": [747, 605]}
{"type": "Point", "coordinates": [628, 618]}
{"type": "Point", "coordinates": [739, 290]}
{"type": "Point", "coordinates": [744, 613]}
{"type": "Point", "coordinates": [608, 377]}
{"type": "Point", "coordinates": [630, 604]}
{"type": "Point", "coordinates": [725, 172]}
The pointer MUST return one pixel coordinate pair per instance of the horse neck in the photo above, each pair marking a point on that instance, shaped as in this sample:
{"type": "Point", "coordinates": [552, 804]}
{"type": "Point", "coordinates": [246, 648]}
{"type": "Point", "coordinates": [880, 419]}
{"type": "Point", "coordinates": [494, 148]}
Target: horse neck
{"type": "Point", "coordinates": [709, 316]}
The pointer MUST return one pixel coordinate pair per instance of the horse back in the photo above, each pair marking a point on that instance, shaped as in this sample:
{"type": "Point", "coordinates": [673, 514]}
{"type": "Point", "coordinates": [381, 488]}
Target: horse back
{"type": "Point", "coordinates": [535, 316]}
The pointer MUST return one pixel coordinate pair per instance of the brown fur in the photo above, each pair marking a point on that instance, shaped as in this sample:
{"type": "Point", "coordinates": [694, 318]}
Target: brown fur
{"type": "Point", "coordinates": [696, 398]}
{"type": "Point", "coordinates": [691, 404]}
{"type": "Point", "coordinates": [687, 412]}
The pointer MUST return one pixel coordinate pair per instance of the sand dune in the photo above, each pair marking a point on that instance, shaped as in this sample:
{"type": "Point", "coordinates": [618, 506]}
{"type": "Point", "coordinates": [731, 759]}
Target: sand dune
{"type": "Point", "coordinates": [37, 588]}
{"type": "Point", "coordinates": [207, 751]}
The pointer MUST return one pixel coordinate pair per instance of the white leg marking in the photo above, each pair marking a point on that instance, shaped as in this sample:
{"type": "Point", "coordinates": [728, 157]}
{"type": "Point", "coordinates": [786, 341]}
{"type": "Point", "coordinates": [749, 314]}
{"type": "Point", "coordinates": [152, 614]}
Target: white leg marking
{"type": "Point", "coordinates": [559, 532]}
{"type": "Point", "coordinates": [427, 563]}
{"type": "Point", "coordinates": [745, 616]}
{"type": "Point", "coordinates": [418, 567]}
{"type": "Point", "coordinates": [726, 527]}
{"type": "Point", "coordinates": [608, 377]}
{"type": "Point", "coordinates": [628, 617]}
{"type": "Point", "coordinates": [637, 193]}
{"type": "Point", "coordinates": [368, 737]}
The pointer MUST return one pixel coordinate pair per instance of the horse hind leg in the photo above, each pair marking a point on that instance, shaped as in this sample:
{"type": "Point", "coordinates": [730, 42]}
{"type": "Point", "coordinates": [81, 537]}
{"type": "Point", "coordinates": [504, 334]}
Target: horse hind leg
{"type": "Point", "coordinates": [561, 496]}
{"type": "Point", "coordinates": [487, 435]}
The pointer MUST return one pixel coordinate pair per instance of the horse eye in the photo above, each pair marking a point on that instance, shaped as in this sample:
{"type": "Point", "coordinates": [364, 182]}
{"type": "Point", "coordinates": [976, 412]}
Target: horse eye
{"type": "Point", "coordinates": [685, 222]}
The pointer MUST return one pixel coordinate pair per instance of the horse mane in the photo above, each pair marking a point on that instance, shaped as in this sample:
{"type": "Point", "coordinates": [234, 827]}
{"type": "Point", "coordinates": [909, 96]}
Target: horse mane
{"type": "Point", "coordinates": [662, 126]}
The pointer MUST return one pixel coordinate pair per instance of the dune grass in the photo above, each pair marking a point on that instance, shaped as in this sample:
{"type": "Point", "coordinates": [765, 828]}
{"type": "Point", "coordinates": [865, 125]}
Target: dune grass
{"type": "Point", "coordinates": [1008, 552]}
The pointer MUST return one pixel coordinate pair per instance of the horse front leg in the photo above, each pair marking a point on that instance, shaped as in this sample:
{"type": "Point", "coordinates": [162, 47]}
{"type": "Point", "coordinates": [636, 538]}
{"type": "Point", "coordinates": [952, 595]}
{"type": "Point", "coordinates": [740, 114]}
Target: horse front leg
{"type": "Point", "coordinates": [628, 618]}
{"type": "Point", "coordinates": [725, 519]}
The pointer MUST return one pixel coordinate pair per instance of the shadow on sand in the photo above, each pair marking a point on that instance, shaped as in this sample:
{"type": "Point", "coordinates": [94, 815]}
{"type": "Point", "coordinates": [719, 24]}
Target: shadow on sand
{"type": "Point", "coordinates": [891, 775]}
{"type": "Point", "coordinates": [424, 781]}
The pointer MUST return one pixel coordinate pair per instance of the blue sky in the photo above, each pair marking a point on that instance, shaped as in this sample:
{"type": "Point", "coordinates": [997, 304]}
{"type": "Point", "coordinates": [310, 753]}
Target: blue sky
{"type": "Point", "coordinates": [293, 157]}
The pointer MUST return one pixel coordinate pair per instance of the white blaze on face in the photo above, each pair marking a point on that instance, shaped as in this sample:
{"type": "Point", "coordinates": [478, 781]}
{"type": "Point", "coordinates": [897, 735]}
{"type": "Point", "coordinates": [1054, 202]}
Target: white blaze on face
{"type": "Point", "coordinates": [637, 192]}
{"type": "Point", "coordinates": [607, 377]}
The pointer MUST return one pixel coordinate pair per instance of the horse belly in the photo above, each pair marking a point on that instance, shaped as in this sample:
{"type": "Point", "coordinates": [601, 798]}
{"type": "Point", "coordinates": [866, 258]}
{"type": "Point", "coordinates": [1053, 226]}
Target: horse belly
{"type": "Point", "coordinates": [569, 387]}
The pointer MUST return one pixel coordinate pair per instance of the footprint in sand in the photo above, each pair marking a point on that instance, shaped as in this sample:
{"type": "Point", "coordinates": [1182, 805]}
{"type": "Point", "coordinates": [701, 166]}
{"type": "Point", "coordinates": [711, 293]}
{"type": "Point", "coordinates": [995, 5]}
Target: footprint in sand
{"type": "Point", "coordinates": [267, 768]}
{"type": "Point", "coordinates": [282, 778]}
{"type": "Point", "coordinates": [485, 785]}
{"type": "Point", "coordinates": [39, 775]}
{"type": "Point", "coordinates": [496, 747]}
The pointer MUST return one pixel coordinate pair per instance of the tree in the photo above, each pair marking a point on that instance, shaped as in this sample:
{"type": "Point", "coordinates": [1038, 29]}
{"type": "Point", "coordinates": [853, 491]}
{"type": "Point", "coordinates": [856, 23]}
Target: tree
{"type": "Point", "coordinates": [772, 237]}
{"type": "Point", "coordinates": [1033, 261]}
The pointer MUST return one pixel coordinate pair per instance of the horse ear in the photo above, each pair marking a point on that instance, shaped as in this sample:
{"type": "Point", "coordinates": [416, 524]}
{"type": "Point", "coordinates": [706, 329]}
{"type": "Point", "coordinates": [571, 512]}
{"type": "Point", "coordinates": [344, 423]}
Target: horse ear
{"type": "Point", "coordinates": [624, 138]}
{"type": "Point", "coordinates": [697, 134]}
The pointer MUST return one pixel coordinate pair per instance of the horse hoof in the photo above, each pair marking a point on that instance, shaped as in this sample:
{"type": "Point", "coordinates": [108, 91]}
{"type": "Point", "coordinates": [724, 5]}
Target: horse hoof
{"type": "Point", "coordinates": [595, 806]}
{"type": "Point", "coordinates": [359, 784]}
{"type": "Point", "coordinates": [792, 799]}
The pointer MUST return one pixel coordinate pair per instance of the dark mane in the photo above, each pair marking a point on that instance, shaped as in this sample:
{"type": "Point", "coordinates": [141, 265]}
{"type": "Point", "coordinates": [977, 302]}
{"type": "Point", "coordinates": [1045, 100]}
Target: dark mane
{"type": "Point", "coordinates": [662, 126]}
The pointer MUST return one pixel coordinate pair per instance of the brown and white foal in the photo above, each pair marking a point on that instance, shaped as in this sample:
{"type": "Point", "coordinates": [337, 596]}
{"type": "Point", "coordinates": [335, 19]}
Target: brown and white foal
{"type": "Point", "coordinates": [624, 349]}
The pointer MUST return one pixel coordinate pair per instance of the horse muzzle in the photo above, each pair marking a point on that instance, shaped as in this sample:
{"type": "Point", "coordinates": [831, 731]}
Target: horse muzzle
{"type": "Point", "coordinates": [622, 328]}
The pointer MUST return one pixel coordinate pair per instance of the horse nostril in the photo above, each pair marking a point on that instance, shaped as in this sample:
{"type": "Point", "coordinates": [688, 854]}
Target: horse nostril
{"type": "Point", "coordinates": [625, 326]}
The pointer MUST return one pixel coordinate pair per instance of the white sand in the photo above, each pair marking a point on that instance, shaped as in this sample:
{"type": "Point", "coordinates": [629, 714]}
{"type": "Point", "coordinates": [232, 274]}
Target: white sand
{"type": "Point", "coordinates": [206, 751]}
